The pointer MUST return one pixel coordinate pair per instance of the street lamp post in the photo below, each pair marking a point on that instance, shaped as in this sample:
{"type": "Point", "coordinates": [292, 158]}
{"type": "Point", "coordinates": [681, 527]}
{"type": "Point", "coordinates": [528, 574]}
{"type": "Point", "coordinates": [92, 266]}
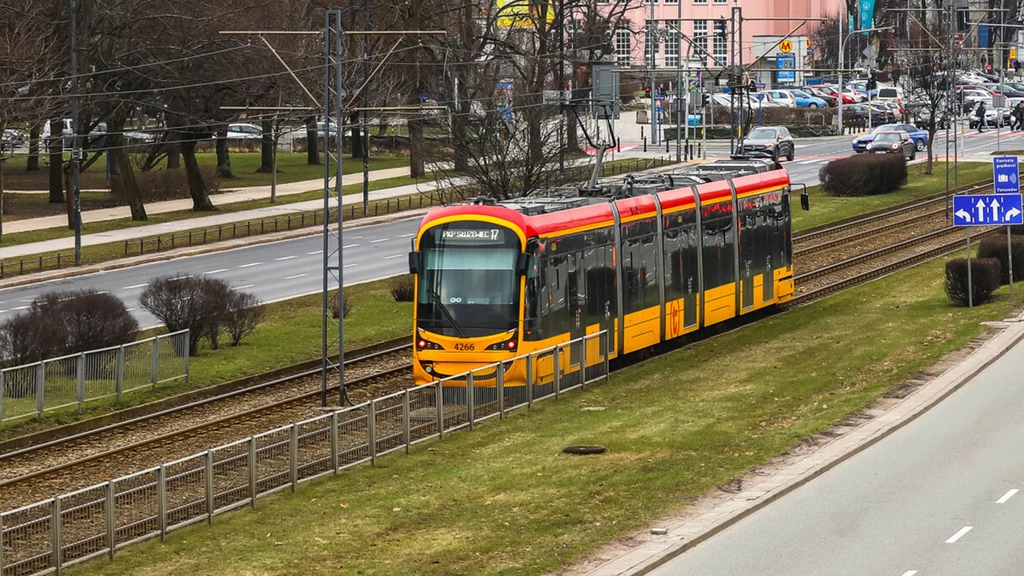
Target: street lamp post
{"type": "Point", "coordinates": [842, 44]}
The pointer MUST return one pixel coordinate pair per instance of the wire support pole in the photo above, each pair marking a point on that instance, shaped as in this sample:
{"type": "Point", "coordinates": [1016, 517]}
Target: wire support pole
{"type": "Point", "coordinates": [76, 149]}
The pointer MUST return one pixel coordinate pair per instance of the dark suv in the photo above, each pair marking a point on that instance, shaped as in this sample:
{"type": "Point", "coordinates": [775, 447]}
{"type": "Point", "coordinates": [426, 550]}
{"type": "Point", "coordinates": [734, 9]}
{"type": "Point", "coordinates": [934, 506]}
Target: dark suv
{"type": "Point", "coordinates": [773, 141]}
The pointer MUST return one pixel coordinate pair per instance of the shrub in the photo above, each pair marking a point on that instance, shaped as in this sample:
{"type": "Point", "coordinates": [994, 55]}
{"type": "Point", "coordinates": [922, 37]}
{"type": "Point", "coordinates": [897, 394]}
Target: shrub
{"type": "Point", "coordinates": [347, 310]}
{"type": "Point", "coordinates": [403, 288]}
{"type": "Point", "coordinates": [244, 313]}
{"type": "Point", "coordinates": [188, 303]}
{"type": "Point", "coordinates": [164, 184]}
{"type": "Point", "coordinates": [67, 322]}
{"type": "Point", "coordinates": [984, 280]}
{"type": "Point", "coordinates": [995, 247]}
{"type": "Point", "coordinates": [864, 175]}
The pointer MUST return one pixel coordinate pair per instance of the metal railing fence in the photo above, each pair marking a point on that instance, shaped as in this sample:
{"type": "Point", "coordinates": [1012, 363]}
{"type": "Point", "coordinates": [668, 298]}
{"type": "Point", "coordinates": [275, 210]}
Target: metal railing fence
{"type": "Point", "coordinates": [101, 519]}
{"type": "Point", "coordinates": [79, 378]}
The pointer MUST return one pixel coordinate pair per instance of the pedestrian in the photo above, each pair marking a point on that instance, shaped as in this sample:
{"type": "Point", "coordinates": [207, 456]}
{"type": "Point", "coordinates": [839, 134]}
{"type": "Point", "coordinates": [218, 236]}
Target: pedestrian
{"type": "Point", "coordinates": [980, 113]}
{"type": "Point", "coordinates": [1020, 115]}
{"type": "Point", "coordinates": [1016, 68]}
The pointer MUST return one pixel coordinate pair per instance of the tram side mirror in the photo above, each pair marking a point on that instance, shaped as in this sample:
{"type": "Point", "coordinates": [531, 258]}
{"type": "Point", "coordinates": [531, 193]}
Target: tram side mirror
{"type": "Point", "coordinates": [414, 262]}
{"type": "Point", "coordinates": [805, 201]}
{"type": "Point", "coordinates": [523, 264]}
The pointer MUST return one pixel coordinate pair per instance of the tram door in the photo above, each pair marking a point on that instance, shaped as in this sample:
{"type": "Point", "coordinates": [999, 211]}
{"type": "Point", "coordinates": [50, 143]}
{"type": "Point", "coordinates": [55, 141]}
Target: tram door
{"type": "Point", "coordinates": [576, 302]}
{"type": "Point", "coordinates": [749, 248]}
{"type": "Point", "coordinates": [773, 239]}
{"type": "Point", "coordinates": [601, 298]}
{"type": "Point", "coordinates": [688, 255]}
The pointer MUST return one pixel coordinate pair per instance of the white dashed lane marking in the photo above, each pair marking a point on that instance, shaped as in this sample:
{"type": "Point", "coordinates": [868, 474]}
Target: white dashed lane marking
{"type": "Point", "coordinates": [393, 256]}
{"type": "Point", "coordinates": [379, 240]}
{"type": "Point", "coordinates": [959, 534]}
{"type": "Point", "coordinates": [296, 276]}
{"type": "Point", "coordinates": [284, 258]}
{"type": "Point", "coordinates": [243, 287]}
{"type": "Point", "coordinates": [134, 286]}
{"type": "Point", "coordinates": [1007, 496]}
{"type": "Point", "coordinates": [217, 271]}
{"type": "Point", "coordinates": [250, 264]}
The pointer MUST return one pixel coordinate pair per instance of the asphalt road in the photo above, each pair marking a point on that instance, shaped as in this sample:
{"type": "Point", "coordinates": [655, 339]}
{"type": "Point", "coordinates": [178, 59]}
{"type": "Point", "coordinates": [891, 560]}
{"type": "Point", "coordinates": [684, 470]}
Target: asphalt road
{"type": "Point", "coordinates": [937, 498]}
{"type": "Point", "coordinates": [291, 268]}
{"type": "Point", "coordinates": [272, 271]}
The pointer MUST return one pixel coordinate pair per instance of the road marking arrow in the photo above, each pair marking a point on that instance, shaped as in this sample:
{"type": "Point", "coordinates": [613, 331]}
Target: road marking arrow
{"type": "Point", "coordinates": [963, 215]}
{"type": "Point", "coordinates": [1011, 214]}
{"type": "Point", "coordinates": [981, 209]}
{"type": "Point", "coordinates": [995, 210]}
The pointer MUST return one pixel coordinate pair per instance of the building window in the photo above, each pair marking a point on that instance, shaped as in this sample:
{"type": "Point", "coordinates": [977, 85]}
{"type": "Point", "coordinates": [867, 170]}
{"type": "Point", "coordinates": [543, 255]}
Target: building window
{"type": "Point", "coordinates": [672, 49]}
{"type": "Point", "coordinates": [700, 2]}
{"type": "Point", "coordinates": [651, 47]}
{"type": "Point", "coordinates": [721, 49]}
{"type": "Point", "coordinates": [623, 46]}
{"type": "Point", "coordinates": [720, 1]}
{"type": "Point", "coordinates": [671, 1]}
{"type": "Point", "coordinates": [651, 2]}
{"type": "Point", "coordinates": [700, 39]}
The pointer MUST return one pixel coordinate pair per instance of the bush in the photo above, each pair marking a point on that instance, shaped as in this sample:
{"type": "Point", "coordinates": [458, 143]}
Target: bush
{"type": "Point", "coordinates": [347, 310]}
{"type": "Point", "coordinates": [68, 322]}
{"type": "Point", "coordinates": [984, 280]}
{"type": "Point", "coordinates": [188, 303]}
{"type": "Point", "coordinates": [164, 184]}
{"type": "Point", "coordinates": [864, 175]}
{"type": "Point", "coordinates": [244, 313]}
{"type": "Point", "coordinates": [995, 247]}
{"type": "Point", "coordinates": [403, 288]}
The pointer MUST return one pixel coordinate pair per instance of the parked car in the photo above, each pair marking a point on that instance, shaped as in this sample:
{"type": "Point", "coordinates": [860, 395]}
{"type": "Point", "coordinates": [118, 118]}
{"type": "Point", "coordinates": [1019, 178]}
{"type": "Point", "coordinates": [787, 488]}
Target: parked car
{"type": "Point", "coordinates": [853, 96]}
{"type": "Point", "coordinates": [893, 142]}
{"type": "Point", "coordinates": [887, 114]}
{"type": "Point", "coordinates": [242, 131]}
{"type": "Point", "coordinates": [770, 140]}
{"type": "Point", "coordinates": [889, 94]}
{"type": "Point", "coordinates": [829, 95]}
{"type": "Point", "coordinates": [994, 117]}
{"type": "Point", "coordinates": [781, 97]}
{"type": "Point", "coordinates": [805, 100]}
{"type": "Point", "coordinates": [860, 112]}
{"type": "Point", "coordinates": [11, 139]}
{"type": "Point", "coordinates": [924, 116]}
{"type": "Point", "coordinates": [918, 136]}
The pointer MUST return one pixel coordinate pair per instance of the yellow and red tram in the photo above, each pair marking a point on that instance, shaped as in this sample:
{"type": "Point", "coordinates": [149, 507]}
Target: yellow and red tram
{"type": "Point", "coordinates": [499, 280]}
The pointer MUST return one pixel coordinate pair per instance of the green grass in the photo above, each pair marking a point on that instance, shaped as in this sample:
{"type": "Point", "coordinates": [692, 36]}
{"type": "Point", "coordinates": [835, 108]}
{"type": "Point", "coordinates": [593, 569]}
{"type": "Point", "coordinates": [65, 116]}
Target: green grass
{"type": "Point", "coordinates": [289, 334]}
{"type": "Point", "coordinates": [1009, 153]}
{"type": "Point", "coordinates": [504, 500]}
{"type": "Point", "coordinates": [825, 208]}
{"type": "Point", "coordinates": [291, 167]}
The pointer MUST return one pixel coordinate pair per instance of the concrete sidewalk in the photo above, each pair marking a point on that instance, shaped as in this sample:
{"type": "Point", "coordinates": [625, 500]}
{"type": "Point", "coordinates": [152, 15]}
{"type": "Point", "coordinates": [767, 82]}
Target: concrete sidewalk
{"type": "Point", "coordinates": [212, 220]}
{"type": "Point", "coordinates": [230, 197]}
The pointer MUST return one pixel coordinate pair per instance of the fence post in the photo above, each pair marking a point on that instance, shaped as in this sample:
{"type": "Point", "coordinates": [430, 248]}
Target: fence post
{"type": "Point", "coordinates": [371, 431]}
{"type": "Point", "coordinates": [154, 362]}
{"type": "Point", "coordinates": [607, 354]}
{"type": "Point", "coordinates": [188, 353]}
{"type": "Point", "coordinates": [55, 532]}
{"type": "Point", "coordinates": [111, 532]}
{"type": "Point", "coordinates": [119, 377]}
{"type": "Point", "coordinates": [405, 421]}
{"type": "Point", "coordinates": [439, 400]}
{"type": "Point", "coordinates": [293, 456]}
{"type": "Point", "coordinates": [334, 442]}
{"type": "Point", "coordinates": [252, 471]}
{"type": "Point", "coordinates": [1, 405]}
{"type": "Point", "coordinates": [1, 543]}
{"type": "Point", "coordinates": [209, 487]}
{"type": "Point", "coordinates": [470, 400]}
{"type": "Point", "coordinates": [583, 363]}
{"type": "Point", "coordinates": [80, 381]}
{"type": "Point", "coordinates": [529, 380]}
{"type": "Point", "coordinates": [40, 387]}
{"type": "Point", "coordinates": [499, 387]}
{"type": "Point", "coordinates": [556, 373]}
{"type": "Point", "coordinates": [161, 500]}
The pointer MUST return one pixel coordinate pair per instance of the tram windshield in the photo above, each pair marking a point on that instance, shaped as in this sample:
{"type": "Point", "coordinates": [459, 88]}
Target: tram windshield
{"type": "Point", "coordinates": [468, 284]}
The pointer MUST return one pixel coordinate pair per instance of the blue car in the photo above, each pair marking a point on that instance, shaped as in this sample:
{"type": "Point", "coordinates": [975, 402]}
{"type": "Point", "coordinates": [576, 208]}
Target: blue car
{"type": "Point", "coordinates": [805, 100]}
{"type": "Point", "coordinates": [919, 136]}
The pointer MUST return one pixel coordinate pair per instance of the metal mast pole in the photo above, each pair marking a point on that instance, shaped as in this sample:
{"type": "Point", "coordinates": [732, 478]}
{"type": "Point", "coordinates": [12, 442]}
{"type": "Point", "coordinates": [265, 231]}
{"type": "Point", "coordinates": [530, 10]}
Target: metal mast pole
{"type": "Point", "coordinates": [366, 104]}
{"type": "Point", "coordinates": [652, 35]}
{"type": "Point", "coordinates": [333, 265]}
{"type": "Point", "coordinates": [561, 87]}
{"type": "Point", "coordinates": [76, 149]}
{"type": "Point", "coordinates": [679, 77]}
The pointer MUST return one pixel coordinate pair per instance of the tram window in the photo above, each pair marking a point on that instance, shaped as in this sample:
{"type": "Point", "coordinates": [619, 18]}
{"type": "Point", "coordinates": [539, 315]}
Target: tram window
{"type": "Point", "coordinates": [718, 240]}
{"type": "Point", "coordinates": [600, 280]}
{"type": "Point", "coordinates": [532, 308]}
{"type": "Point", "coordinates": [675, 243]}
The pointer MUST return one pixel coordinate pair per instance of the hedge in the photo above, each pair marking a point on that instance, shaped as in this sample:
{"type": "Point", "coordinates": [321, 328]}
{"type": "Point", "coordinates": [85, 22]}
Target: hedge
{"type": "Point", "coordinates": [995, 247]}
{"type": "Point", "coordinates": [984, 280]}
{"type": "Point", "coordinates": [864, 175]}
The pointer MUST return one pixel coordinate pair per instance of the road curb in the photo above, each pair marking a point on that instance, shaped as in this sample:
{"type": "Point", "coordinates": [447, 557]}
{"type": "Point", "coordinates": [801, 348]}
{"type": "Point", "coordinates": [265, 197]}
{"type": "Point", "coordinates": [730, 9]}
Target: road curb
{"type": "Point", "coordinates": [210, 248]}
{"type": "Point", "coordinates": [652, 554]}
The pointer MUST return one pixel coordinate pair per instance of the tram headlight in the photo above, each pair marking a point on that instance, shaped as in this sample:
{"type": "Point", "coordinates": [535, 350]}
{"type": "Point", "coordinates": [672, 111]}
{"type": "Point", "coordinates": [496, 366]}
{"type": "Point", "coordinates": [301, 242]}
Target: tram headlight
{"type": "Point", "coordinates": [509, 345]}
{"type": "Point", "coordinates": [423, 344]}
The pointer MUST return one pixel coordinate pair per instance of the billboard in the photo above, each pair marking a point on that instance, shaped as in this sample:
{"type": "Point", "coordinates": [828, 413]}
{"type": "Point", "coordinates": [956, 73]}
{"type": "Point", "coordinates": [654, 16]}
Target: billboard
{"type": "Point", "coordinates": [786, 66]}
{"type": "Point", "coordinates": [523, 13]}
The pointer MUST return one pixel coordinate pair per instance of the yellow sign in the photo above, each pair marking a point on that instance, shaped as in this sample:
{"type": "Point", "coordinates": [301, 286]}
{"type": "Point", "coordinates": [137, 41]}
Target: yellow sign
{"type": "Point", "coordinates": [786, 46]}
{"type": "Point", "coordinates": [523, 13]}
{"type": "Point", "coordinates": [1013, 53]}
{"type": "Point", "coordinates": [808, 43]}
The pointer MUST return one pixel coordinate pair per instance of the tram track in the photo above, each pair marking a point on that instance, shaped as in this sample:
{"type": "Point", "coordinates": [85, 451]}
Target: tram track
{"type": "Point", "coordinates": [40, 471]}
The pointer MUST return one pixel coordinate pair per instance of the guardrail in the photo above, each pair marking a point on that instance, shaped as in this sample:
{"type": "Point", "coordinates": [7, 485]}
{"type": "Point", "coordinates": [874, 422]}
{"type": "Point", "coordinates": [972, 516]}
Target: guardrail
{"type": "Point", "coordinates": [101, 519]}
{"type": "Point", "coordinates": [79, 378]}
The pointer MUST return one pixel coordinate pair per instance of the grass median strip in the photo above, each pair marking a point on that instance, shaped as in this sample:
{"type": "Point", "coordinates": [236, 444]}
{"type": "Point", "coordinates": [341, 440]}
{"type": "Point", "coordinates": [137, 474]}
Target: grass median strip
{"type": "Point", "coordinates": [505, 500]}
{"type": "Point", "coordinates": [290, 334]}
{"type": "Point", "coordinates": [825, 208]}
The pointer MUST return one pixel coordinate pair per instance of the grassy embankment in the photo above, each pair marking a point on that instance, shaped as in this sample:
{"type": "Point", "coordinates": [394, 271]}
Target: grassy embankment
{"type": "Point", "coordinates": [505, 500]}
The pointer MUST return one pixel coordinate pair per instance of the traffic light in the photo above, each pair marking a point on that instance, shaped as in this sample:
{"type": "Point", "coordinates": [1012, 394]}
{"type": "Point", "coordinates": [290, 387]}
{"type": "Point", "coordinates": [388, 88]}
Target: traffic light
{"type": "Point", "coordinates": [721, 28]}
{"type": "Point", "coordinates": [705, 99]}
{"type": "Point", "coordinates": [647, 91]}
{"type": "Point", "coordinates": [873, 81]}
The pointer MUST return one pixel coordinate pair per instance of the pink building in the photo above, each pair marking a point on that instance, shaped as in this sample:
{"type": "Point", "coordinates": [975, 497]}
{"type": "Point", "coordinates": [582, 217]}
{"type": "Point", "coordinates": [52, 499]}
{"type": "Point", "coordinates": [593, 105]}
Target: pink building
{"type": "Point", "coordinates": [698, 23]}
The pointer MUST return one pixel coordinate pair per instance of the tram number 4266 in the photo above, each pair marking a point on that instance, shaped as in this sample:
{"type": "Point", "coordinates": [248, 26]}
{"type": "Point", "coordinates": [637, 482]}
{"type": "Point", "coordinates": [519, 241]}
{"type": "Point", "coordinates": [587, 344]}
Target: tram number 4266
{"type": "Point", "coordinates": [465, 347]}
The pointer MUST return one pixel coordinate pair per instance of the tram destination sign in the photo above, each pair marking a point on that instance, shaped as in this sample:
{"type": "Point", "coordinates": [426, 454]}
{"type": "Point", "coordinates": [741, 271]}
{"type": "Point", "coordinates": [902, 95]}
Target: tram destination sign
{"type": "Point", "coordinates": [987, 210]}
{"type": "Point", "coordinates": [482, 236]}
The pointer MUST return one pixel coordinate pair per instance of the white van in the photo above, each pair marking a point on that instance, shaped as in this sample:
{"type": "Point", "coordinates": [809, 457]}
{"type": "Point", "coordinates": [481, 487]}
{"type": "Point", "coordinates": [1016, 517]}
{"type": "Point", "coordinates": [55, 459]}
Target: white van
{"type": "Point", "coordinates": [889, 94]}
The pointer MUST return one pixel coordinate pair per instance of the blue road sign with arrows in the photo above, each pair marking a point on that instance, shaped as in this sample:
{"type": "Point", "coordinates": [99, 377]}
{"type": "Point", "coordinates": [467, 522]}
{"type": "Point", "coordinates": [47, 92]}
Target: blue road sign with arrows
{"type": "Point", "coordinates": [987, 210]}
{"type": "Point", "coordinates": [1006, 175]}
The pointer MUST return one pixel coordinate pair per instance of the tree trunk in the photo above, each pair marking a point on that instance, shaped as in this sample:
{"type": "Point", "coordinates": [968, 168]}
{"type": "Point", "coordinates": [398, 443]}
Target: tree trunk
{"type": "Point", "coordinates": [312, 143]}
{"type": "Point", "coordinates": [223, 158]}
{"type": "Point", "coordinates": [32, 164]}
{"type": "Point", "coordinates": [55, 147]}
{"type": "Point", "coordinates": [267, 147]}
{"type": "Point", "coordinates": [357, 137]}
{"type": "Point", "coordinates": [461, 153]}
{"type": "Point", "coordinates": [173, 156]}
{"type": "Point", "coordinates": [196, 187]}
{"type": "Point", "coordinates": [416, 149]}
{"type": "Point", "coordinates": [122, 173]}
